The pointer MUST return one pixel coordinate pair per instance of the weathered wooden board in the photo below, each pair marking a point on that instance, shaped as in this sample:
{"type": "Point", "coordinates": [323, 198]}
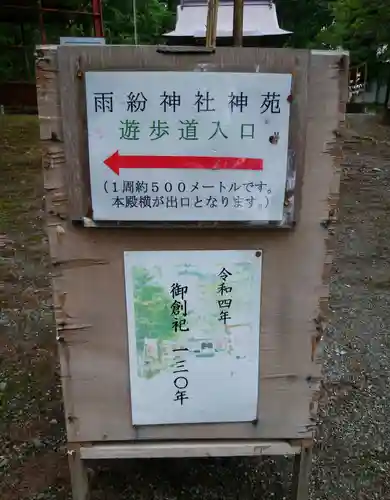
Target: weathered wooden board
{"type": "Point", "coordinates": [188, 449]}
{"type": "Point", "coordinates": [89, 276]}
{"type": "Point", "coordinates": [73, 63]}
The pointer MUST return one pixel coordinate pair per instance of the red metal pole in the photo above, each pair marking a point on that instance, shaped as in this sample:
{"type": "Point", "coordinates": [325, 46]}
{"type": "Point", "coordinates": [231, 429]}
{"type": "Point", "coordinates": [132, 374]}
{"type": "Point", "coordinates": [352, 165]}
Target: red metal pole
{"type": "Point", "coordinates": [97, 12]}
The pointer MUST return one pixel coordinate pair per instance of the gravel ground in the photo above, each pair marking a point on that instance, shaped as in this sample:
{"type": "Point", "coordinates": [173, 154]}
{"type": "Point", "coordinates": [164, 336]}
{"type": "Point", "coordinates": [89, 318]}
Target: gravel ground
{"type": "Point", "coordinates": [352, 459]}
{"type": "Point", "coordinates": [351, 456]}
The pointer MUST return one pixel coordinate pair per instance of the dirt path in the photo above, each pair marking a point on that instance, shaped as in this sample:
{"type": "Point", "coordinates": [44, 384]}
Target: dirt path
{"type": "Point", "coordinates": [30, 410]}
{"type": "Point", "coordinates": [352, 455]}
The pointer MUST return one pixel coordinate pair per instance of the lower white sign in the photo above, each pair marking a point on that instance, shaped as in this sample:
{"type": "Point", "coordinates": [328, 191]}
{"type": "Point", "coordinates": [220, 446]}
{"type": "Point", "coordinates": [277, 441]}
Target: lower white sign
{"type": "Point", "coordinates": [193, 327]}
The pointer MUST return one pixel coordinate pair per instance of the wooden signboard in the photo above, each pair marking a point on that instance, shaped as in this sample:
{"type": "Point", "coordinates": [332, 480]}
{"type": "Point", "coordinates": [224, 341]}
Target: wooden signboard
{"type": "Point", "coordinates": [188, 202]}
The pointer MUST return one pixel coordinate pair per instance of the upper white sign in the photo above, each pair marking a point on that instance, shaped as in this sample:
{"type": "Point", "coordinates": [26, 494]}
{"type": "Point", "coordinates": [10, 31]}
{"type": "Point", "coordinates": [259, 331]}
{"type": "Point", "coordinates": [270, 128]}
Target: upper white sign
{"type": "Point", "coordinates": [188, 146]}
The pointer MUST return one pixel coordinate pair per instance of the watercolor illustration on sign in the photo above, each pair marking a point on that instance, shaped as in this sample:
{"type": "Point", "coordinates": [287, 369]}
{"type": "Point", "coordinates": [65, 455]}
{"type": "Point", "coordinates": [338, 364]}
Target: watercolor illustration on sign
{"type": "Point", "coordinates": [166, 326]}
{"type": "Point", "coordinates": [194, 319]}
{"type": "Point", "coordinates": [188, 146]}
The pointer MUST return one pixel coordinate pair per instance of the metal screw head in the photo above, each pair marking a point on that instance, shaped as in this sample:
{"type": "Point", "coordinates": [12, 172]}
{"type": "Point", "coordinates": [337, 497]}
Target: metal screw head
{"type": "Point", "coordinates": [258, 253]}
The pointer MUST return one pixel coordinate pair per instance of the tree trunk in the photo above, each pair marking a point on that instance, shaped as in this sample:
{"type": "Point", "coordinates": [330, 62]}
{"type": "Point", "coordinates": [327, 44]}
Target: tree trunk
{"type": "Point", "coordinates": [387, 95]}
{"type": "Point", "coordinates": [377, 91]}
{"type": "Point", "coordinates": [386, 113]}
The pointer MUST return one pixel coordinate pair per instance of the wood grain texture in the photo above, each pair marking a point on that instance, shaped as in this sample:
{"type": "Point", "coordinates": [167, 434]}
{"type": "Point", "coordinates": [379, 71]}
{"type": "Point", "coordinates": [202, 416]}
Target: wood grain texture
{"type": "Point", "coordinates": [326, 101]}
{"type": "Point", "coordinates": [88, 262]}
{"type": "Point", "coordinates": [56, 201]}
{"type": "Point", "coordinates": [188, 449]}
{"type": "Point", "coordinates": [73, 62]}
{"type": "Point", "coordinates": [301, 474]}
{"type": "Point", "coordinates": [78, 476]}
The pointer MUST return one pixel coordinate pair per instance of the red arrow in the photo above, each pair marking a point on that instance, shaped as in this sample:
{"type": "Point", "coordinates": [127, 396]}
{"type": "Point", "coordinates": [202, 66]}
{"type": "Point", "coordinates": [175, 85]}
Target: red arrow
{"type": "Point", "coordinates": [117, 161]}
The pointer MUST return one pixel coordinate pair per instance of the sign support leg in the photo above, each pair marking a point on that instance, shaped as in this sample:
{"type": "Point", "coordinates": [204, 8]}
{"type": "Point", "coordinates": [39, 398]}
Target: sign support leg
{"type": "Point", "coordinates": [78, 476]}
{"type": "Point", "coordinates": [301, 474]}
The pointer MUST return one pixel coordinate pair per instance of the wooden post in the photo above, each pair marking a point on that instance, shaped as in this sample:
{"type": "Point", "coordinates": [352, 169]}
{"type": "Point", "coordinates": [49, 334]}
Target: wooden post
{"type": "Point", "coordinates": [301, 474]}
{"type": "Point", "coordinates": [78, 476]}
{"type": "Point", "coordinates": [212, 20]}
{"type": "Point", "coordinates": [238, 21]}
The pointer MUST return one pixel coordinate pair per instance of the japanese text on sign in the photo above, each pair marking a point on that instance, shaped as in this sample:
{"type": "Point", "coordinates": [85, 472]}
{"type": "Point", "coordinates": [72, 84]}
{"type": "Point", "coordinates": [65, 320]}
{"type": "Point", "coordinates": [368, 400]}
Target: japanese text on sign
{"type": "Point", "coordinates": [194, 355]}
{"type": "Point", "coordinates": [179, 324]}
{"type": "Point", "coordinates": [224, 291]}
{"type": "Point", "coordinates": [188, 146]}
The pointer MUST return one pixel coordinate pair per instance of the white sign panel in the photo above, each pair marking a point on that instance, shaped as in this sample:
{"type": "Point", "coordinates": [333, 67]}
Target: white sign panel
{"type": "Point", "coordinates": [188, 146]}
{"type": "Point", "coordinates": [194, 327]}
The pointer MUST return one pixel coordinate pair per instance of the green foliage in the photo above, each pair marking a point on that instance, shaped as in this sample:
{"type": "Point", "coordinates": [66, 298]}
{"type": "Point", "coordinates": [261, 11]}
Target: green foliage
{"type": "Point", "coordinates": [16, 63]}
{"type": "Point", "coordinates": [153, 19]}
{"type": "Point", "coordinates": [152, 308]}
{"type": "Point", "coordinates": [360, 26]}
{"type": "Point", "coordinates": [305, 18]}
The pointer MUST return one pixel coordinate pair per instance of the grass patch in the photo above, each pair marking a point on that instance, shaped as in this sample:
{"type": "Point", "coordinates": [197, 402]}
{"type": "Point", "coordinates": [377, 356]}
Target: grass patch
{"type": "Point", "coordinates": [20, 171]}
